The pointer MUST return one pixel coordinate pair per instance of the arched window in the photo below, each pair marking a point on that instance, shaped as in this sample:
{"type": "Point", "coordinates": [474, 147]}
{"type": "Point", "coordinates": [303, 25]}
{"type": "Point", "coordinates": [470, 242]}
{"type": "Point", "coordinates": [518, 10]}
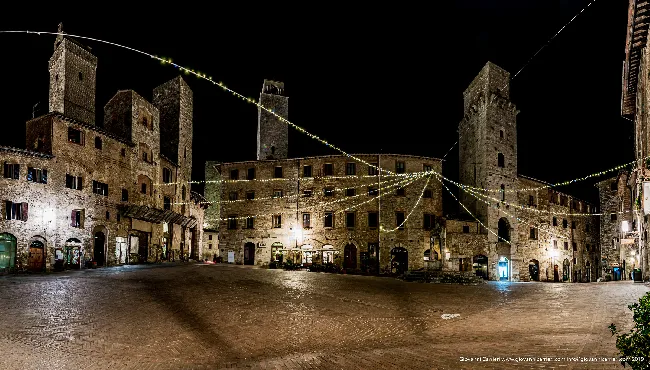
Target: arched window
{"type": "Point", "coordinates": [501, 160]}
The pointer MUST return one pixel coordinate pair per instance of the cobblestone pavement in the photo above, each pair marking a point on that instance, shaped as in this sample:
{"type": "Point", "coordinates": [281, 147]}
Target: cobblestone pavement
{"type": "Point", "coordinates": [197, 316]}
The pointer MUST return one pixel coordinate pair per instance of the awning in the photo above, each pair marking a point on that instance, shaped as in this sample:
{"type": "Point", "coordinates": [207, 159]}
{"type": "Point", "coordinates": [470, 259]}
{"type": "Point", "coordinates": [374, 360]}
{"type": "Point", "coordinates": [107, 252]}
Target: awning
{"type": "Point", "coordinates": [156, 215]}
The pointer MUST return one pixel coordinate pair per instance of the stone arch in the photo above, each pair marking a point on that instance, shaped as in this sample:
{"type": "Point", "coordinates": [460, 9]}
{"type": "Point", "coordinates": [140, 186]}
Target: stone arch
{"type": "Point", "coordinates": [8, 250]}
{"type": "Point", "coordinates": [37, 253]}
{"type": "Point", "coordinates": [504, 229]}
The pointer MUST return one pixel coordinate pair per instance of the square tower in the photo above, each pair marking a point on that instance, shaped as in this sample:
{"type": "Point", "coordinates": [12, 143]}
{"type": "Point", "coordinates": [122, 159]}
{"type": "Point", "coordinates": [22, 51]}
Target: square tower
{"type": "Point", "coordinates": [174, 100]}
{"type": "Point", "coordinates": [488, 160]}
{"type": "Point", "coordinates": [73, 71]}
{"type": "Point", "coordinates": [272, 133]}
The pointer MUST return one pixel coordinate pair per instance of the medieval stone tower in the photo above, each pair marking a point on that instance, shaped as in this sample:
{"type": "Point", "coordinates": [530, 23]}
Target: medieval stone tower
{"type": "Point", "coordinates": [488, 159]}
{"type": "Point", "coordinates": [273, 134]}
{"type": "Point", "coordinates": [73, 71]}
{"type": "Point", "coordinates": [174, 100]}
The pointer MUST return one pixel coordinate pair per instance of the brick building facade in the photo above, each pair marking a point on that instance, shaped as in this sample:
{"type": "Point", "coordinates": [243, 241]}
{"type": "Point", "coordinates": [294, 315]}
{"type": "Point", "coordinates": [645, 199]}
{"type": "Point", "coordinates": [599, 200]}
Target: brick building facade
{"type": "Point", "coordinates": [109, 193]}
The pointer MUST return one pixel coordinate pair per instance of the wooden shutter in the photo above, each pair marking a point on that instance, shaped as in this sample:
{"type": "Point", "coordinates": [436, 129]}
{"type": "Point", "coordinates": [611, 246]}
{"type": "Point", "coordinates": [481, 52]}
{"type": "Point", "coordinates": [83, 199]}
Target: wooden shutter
{"type": "Point", "coordinates": [73, 218]}
{"type": "Point", "coordinates": [25, 209]}
{"type": "Point", "coordinates": [6, 172]}
{"type": "Point", "coordinates": [79, 183]}
{"type": "Point", "coordinates": [43, 177]}
{"type": "Point", "coordinates": [16, 171]}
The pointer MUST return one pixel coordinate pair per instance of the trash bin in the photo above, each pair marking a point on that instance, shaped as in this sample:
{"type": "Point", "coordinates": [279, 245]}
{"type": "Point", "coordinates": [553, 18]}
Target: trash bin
{"type": "Point", "coordinates": [638, 278]}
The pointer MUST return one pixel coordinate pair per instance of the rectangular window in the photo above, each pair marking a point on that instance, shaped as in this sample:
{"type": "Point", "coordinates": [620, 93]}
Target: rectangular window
{"type": "Point", "coordinates": [73, 182]}
{"type": "Point", "coordinates": [373, 191]}
{"type": "Point", "coordinates": [428, 221]}
{"type": "Point", "coordinates": [209, 246]}
{"type": "Point", "coordinates": [277, 193]}
{"type": "Point", "coordinates": [277, 221]}
{"type": "Point", "coordinates": [125, 195]}
{"type": "Point", "coordinates": [278, 172]}
{"type": "Point", "coordinates": [533, 233]}
{"type": "Point", "coordinates": [350, 192]}
{"type": "Point", "coordinates": [234, 174]}
{"type": "Point", "coordinates": [307, 193]}
{"type": "Point", "coordinates": [250, 195]}
{"type": "Point", "coordinates": [306, 171]}
{"type": "Point", "coordinates": [573, 224]}
{"type": "Point", "coordinates": [167, 175]}
{"type": "Point", "coordinates": [76, 218]}
{"type": "Point", "coordinates": [555, 244]}
{"type": "Point", "coordinates": [329, 219]}
{"type": "Point", "coordinates": [250, 222]}
{"type": "Point", "coordinates": [350, 169]}
{"type": "Point", "coordinates": [566, 246]}
{"type": "Point", "coordinates": [209, 237]}
{"type": "Point", "coordinates": [36, 175]}
{"type": "Point", "coordinates": [16, 211]}
{"type": "Point", "coordinates": [328, 192]}
{"type": "Point", "coordinates": [554, 221]}
{"type": "Point", "coordinates": [232, 222]}
{"type": "Point", "coordinates": [427, 193]}
{"type": "Point", "coordinates": [349, 219]}
{"type": "Point", "coordinates": [426, 168]}
{"type": "Point", "coordinates": [466, 229]}
{"type": "Point", "coordinates": [75, 136]}
{"type": "Point", "coordinates": [399, 220]}
{"type": "Point", "coordinates": [167, 203]}
{"type": "Point", "coordinates": [373, 220]}
{"type": "Point", "coordinates": [613, 186]}
{"type": "Point", "coordinates": [586, 227]}
{"type": "Point", "coordinates": [12, 171]}
{"type": "Point", "coordinates": [612, 217]}
{"type": "Point", "coordinates": [306, 220]}
{"type": "Point", "coordinates": [531, 200]}
{"type": "Point", "coordinates": [100, 188]}
{"type": "Point", "coordinates": [232, 195]}
{"type": "Point", "coordinates": [400, 192]}
{"type": "Point", "coordinates": [250, 174]}
{"type": "Point", "coordinates": [328, 169]}
{"type": "Point", "coordinates": [108, 215]}
{"type": "Point", "coordinates": [372, 170]}
{"type": "Point", "coordinates": [575, 246]}
{"type": "Point", "coordinates": [565, 223]}
{"type": "Point", "coordinates": [400, 167]}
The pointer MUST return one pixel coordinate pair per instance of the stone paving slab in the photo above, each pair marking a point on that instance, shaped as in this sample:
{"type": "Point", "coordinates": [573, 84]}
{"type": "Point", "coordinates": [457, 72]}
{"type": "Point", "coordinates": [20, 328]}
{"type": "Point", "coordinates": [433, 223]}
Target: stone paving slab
{"type": "Point", "coordinates": [195, 316]}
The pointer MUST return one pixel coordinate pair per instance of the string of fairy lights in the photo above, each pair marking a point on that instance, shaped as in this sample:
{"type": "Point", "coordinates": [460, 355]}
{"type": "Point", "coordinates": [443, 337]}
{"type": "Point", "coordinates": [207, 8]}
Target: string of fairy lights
{"type": "Point", "coordinates": [404, 183]}
{"type": "Point", "coordinates": [412, 209]}
{"type": "Point", "coordinates": [288, 196]}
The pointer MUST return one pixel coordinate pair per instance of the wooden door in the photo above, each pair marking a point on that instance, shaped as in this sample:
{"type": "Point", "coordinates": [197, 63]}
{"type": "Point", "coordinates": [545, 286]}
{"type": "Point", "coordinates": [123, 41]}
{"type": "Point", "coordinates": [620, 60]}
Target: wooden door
{"type": "Point", "coordinates": [36, 258]}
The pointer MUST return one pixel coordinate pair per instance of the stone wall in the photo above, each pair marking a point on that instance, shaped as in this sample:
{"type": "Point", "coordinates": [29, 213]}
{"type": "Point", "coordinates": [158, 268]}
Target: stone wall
{"type": "Point", "coordinates": [273, 134]}
{"type": "Point", "coordinates": [292, 208]}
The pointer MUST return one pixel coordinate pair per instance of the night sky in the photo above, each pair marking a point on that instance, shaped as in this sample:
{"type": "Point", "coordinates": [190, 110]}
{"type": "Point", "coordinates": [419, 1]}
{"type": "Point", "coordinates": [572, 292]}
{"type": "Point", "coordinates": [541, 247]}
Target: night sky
{"type": "Point", "coordinates": [366, 79]}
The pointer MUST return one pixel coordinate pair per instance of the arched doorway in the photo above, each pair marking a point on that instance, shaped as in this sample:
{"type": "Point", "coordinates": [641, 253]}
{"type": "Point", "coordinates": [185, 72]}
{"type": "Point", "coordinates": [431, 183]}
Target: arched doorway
{"type": "Point", "coordinates": [565, 270]}
{"type": "Point", "coordinates": [36, 256]}
{"type": "Point", "coordinates": [399, 260]}
{"type": "Point", "coordinates": [480, 265]}
{"type": "Point", "coordinates": [8, 245]}
{"type": "Point", "coordinates": [533, 270]}
{"type": "Point", "coordinates": [350, 257]}
{"type": "Point", "coordinates": [504, 270]}
{"type": "Point", "coordinates": [249, 253]}
{"type": "Point", "coordinates": [504, 230]}
{"type": "Point", "coordinates": [556, 273]}
{"type": "Point", "coordinates": [99, 255]}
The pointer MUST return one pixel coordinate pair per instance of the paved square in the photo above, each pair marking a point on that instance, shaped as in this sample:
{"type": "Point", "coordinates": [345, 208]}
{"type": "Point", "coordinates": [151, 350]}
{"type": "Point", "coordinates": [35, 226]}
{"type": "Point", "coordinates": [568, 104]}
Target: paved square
{"type": "Point", "coordinates": [219, 316]}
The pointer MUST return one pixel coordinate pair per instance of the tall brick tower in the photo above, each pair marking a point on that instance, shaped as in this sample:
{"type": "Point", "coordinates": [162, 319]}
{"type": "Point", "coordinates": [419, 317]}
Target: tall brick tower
{"type": "Point", "coordinates": [488, 159]}
{"type": "Point", "coordinates": [273, 134]}
{"type": "Point", "coordinates": [174, 100]}
{"type": "Point", "coordinates": [73, 71]}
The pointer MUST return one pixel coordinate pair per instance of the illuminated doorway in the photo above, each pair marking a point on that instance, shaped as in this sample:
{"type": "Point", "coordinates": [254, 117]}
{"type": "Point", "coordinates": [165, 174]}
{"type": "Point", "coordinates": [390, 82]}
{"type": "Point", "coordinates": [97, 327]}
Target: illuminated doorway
{"type": "Point", "coordinates": [503, 268]}
{"type": "Point", "coordinates": [533, 270]}
{"type": "Point", "coordinates": [7, 250]}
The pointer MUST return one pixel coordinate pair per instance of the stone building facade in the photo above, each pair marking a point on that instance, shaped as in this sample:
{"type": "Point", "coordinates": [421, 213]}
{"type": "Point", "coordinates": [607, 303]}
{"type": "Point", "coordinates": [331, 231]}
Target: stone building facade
{"type": "Point", "coordinates": [634, 106]}
{"type": "Point", "coordinates": [619, 234]}
{"type": "Point", "coordinates": [321, 209]}
{"type": "Point", "coordinates": [534, 234]}
{"type": "Point", "coordinates": [110, 194]}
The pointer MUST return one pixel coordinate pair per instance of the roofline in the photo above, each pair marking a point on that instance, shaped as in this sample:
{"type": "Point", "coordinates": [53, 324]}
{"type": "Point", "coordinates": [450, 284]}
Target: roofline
{"type": "Point", "coordinates": [326, 156]}
{"type": "Point", "coordinates": [25, 152]}
{"type": "Point", "coordinates": [86, 125]}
